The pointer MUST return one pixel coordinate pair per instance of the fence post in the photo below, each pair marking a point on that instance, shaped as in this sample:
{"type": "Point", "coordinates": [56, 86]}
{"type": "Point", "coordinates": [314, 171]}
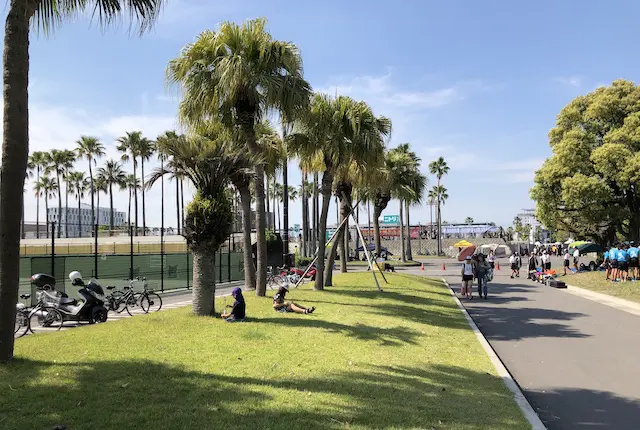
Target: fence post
{"type": "Point", "coordinates": [229, 260]}
{"type": "Point", "coordinates": [131, 252]}
{"type": "Point", "coordinates": [95, 256]}
{"type": "Point", "coordinates": [53, 249]}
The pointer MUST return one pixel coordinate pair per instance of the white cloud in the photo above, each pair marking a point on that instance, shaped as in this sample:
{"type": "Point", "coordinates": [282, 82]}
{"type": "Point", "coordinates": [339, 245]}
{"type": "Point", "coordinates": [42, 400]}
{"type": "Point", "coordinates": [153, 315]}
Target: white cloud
{"type": "Point", "coordinates": [428, 100]}
{"type": "Point", "coordinates": [573, 81]}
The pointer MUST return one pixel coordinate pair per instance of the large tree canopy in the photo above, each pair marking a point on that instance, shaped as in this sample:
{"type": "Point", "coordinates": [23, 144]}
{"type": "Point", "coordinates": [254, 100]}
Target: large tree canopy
{"type": "Point", "coordinates": [590, 185]}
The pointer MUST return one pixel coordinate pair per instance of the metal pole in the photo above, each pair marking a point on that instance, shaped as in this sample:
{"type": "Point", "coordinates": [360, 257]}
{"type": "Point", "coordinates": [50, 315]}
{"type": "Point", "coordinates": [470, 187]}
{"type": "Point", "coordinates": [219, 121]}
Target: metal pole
{"type": "Point", "coordinates": [285, 198]}
{"type": "Point", "coordinates": [53, 249]}
{"type": "Point", "coordinates": [95, 254]}
{"type": "Point", "coordinates": [130, 252]}
{"type": "Point", "coordinates": [162, 225]}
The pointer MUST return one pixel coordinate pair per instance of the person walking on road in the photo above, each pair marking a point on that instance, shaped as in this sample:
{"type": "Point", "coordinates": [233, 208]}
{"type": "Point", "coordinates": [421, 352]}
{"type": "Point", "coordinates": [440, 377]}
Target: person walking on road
{"type": "Point", "coordinates": [576, 259]}
{"type": "Point", "coordinates": [518, 264]}
{"type": "Point", "coordinates": [567, 261]}
{"type": "Point", "coordinates": [514, 266]}
{"type": "Point", "coordinates": [467, 273]}
{"type": "Point", "coordinates": [492, 259]}
{"type": "Point", "coordinates": [482, 269]}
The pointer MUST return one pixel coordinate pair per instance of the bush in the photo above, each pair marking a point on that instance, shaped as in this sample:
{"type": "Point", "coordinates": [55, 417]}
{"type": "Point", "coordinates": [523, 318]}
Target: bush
{"type": "Point", "coordinates": [302, 261]}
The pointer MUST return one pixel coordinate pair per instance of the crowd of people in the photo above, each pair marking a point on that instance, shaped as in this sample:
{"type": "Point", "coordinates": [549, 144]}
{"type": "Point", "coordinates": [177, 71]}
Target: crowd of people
{"type": "Point", "coordinates": [621, 262]}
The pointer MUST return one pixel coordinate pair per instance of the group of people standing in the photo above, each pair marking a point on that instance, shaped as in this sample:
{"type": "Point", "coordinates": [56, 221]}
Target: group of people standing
{"type": "Point", "coordinates": [479, 267]}
{"type": "Point", "coordinates": [621, 263]}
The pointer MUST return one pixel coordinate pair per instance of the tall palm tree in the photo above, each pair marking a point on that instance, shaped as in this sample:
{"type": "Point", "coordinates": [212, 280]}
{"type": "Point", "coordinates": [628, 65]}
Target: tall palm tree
{"type": "Point", "coordinates": [146, 149]}
{"type": "Point", "coordinates": [441, 195]}
{"type": "Point", "coordinates": [433, 197]}
{"type": "Point", "coordinates": [100, 186]}
{"type": "Point", "coordinates": [59, 162]}
{"type": "Point", "coordinates": [38, 161]}
{"type": "Point", "coordinates": [68, 188]}
{"type": "Point", "coordinates": [236, 75]}
{"type": "Point", "coordinates": [208, 165]}
{"type": "Point", "coordinates": [130, 145]}
{"type": "Point", "coordinates": [21, 17]}
{"type": "Point", "coordinates": [132, 185]}
{"type": "Point", "coordinates": [46, 188]}
{"type": "Point", "coordinates": [171, 138]}
{"type": "Point", "coordinates": [90, 149]}
{"type": "Point", "coordinates": [111, 174]}
{"type": "Point", "coordinates": [305, 193]}
{"type": "Point", "coordinates": [334, 130]}
{"type": "Point", "coordinates": [79, 186]}
{"type": "Point", "coordinates": [439, 168]}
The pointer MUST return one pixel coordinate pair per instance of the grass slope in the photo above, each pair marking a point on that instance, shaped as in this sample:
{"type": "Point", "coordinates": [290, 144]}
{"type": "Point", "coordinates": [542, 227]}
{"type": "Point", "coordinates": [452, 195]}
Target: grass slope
{"type": "Point", "coordinates": [594, 281]}
{"type": "Point", "coordinates": [402, 359]}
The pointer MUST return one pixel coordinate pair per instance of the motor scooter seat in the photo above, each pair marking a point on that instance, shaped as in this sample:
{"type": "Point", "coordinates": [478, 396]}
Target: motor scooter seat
{"type": "Point", "coordinates": [68, 301]}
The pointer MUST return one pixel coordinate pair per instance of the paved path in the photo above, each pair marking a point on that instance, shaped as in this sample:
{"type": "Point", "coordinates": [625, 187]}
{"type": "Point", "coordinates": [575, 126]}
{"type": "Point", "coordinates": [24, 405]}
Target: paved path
{"type": "Point", "coordinates": [577, 361]}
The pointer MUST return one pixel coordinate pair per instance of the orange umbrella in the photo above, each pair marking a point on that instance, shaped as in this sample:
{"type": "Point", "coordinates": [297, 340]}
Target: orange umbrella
{"type": "Point", "coordinates": [466, 251]}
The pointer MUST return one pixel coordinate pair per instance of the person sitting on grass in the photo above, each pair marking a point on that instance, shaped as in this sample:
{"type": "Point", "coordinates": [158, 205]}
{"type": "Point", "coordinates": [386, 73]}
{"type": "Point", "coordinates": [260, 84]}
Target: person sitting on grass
{"type": "Point", "coordinates": [238, 309]}
{"type": "Point", "coordinates": [281, 306]}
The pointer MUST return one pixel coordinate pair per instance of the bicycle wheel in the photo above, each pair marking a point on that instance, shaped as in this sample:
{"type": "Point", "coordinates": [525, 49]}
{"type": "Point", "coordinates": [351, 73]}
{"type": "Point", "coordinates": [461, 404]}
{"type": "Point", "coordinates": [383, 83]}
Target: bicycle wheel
{"type": "Point", "coordinates": [132, 304]}
{"type": "Point", "coordinates": [150, 302]}
{"type": "Point", "coordinates": [21, 324]}
{"type": "Point", "coordinates": [43, 320]}
{"type": "Point", "coordinates": [274, 282]}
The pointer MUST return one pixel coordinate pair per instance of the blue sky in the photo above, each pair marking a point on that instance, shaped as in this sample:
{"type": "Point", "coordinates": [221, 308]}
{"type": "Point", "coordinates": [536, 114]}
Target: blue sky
{"type": "Point", "coordinates": [479, 83]}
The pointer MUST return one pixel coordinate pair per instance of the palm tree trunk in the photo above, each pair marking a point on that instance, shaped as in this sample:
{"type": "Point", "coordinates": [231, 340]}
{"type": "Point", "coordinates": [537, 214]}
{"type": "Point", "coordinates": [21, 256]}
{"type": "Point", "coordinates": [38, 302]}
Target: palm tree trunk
{"type": "Point", "coordinates": [409, 250]}
{"type": "Point", "coordinates": [66, 209]}
{"type": "Point", "coordinates": [93, 192]}
{"type": "Point", "coordinates": [315, 213]}
{"type": "Point", "coordinates": [144, 215]}
{"type": "Point", "coordinates": [79, 217]}
{"type": "Point", "coordinates": [268, 201]}
{"type": "Point", "coordinates": [135, 193]}
{"type": "Point", "coordinates": [439, 227]}
{"type": "Point", "coordinates": [331, 258]}
{"type": "Point", "coordinates": [377, 211]}
{"type": "Point", "coordinates": [344, 248]}
{"type": "Point", "coordinates": [249, 267]}
{"type": "Point", "coordinates": [178, 205]}
{"type": "Point", "coordinates": [59, 206]}
{"type": "Point", "coordinates": [46, 220]}
{"type": "Point", "coordinates": [327, 182]}
{"type": "Point", "coordinates": [97, 218]}
{"type": "Point", "coordinates": [274, 197]}
{"type": "Point", "coordinates": [204, 282]}
{"type": "Point", "coordinates": [22, 232]}
{"type": "Point", "coordinates": [38, 207]}
{"type": "Point", "coordinates": [111, 210]}
{"type": "Point", "coordinates": [285, 207]}
{"type": "Point", "coordinates": [182, 202]}
{"type": "Point", "coordinates": [278, 216]}
{"type": "Point", "coordinates": [304, 201]}
{"type": "Point", "coordinates": [403, 255]}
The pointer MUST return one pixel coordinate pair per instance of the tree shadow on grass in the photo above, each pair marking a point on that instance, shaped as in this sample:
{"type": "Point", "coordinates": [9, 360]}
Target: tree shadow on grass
{"type": "Point", "coordinates": [151, 395]}
{"type": "Point", "coordinates": [393, 336]}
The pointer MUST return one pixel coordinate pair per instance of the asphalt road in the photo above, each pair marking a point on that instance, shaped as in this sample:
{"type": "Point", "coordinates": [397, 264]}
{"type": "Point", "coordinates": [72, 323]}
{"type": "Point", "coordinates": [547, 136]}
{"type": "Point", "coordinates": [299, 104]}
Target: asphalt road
{"type": "Point", "coordinates": [577, 361]}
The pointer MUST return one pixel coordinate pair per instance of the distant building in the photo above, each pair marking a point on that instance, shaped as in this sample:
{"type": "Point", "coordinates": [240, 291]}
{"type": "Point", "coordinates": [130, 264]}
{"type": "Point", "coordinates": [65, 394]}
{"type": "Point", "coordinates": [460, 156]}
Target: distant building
{"type": "Point", "coordinates": [83, 217]}
{"type": "Point", "coordinates": [537, 230]}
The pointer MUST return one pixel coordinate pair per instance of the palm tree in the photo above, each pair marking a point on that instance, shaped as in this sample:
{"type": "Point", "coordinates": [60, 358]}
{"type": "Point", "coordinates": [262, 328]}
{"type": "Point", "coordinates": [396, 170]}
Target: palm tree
{"type": "Point", "coordinates": [209, 165]}
{"type": "Point", "coordinates": [59, 162]}
{"type": "Point", "coordinates": [132, 185]}
{"type": "Point", "coordinates": [171, 138]}
{"type": "Point", "coordinates": [440, 193]}
{"type": "Point", "coordinates": [21, 17]}
{"type": "Point", "coordinates": [439, 168]}
{"type": "Point", "coordinates": [111, 174]}
{"type": "Point", "coordinates": [46, 187]}
{"type": "Point", "coordinates": [90, 148]}
{"type": "Point", "coordinates": [146, 149]}
{"type": "Point", "coordinates": [100, 186]}
{"type": "Point", "coordinates": [340, 132]}
{"type": "Point", "coordinates": [305, 193]}
{"type": "Point", "coordinates": [130, 145]}
{"type": "Point", "coordinates": [468, 220]}
{"type": "Point", "coordinates": [236, 75]}
{"type": "Point", "coordinates": [68, 171]}
{"type": "Point", "coordinates": [38, 161]}
{"type": "Point", "coordinates": [79, 185]}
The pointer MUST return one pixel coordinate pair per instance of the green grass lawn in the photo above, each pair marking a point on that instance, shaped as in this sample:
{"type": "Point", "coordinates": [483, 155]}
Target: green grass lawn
{"type": "Point", "coordinates": [402, 359]}
{"type": "Point", "coordinates": [595, 281]}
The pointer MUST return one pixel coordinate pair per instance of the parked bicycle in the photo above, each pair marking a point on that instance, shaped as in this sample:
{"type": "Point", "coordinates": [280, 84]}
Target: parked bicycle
{"type": "Point", "coordinates": [44, 316]}
{"type": "Point", "coordinates": [277, 278]}
{"type": "Point", "coordinates": [129, 300]}
{"type": "Point", "coordinates": [22, 317]}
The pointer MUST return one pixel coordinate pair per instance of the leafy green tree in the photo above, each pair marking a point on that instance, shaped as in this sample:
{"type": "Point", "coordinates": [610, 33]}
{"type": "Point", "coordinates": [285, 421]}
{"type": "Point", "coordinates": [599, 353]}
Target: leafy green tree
{"type": "Point", "coordinates": [439, 168]}
{"type": "Point", "coordinates": [111, 174]}
{"type": "Point", "coordinates": [90, 148]}
{"type": "Point", "coordinates": [235, 75]}
{"type": "Point", "coordinates": [38, 162]}
{"type": "Point", "coordinates": [589, 186]}
{"type": "Point", "coordinates": [22, 15]}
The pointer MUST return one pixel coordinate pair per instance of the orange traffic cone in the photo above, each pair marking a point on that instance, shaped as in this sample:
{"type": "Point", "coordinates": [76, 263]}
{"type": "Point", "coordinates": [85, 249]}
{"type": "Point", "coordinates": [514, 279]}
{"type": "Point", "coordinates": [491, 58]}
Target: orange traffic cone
{"type": "Point", "coordinates": [444, 267]}
{"type": "Point", "coordinates": [497, 265]}
{"type": "Point", "coordinates": [422, 267]}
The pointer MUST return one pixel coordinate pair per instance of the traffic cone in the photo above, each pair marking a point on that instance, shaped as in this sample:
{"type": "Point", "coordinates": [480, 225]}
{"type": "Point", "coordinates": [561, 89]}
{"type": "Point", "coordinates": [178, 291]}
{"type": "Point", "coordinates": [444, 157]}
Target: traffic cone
{"type": "Point", "coordinates": [444, 267]}
{"type": "Point", "coordinates": [497, 265]}
{"type": "Point", "coordinates": [422, 267]}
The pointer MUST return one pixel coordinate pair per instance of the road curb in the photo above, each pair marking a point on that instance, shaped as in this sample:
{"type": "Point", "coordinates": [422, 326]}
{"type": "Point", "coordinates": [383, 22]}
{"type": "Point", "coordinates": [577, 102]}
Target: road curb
{"type": "Point", "coordinates": [522, 402]}
{"type": "Point", "coordinates": [605, 299]}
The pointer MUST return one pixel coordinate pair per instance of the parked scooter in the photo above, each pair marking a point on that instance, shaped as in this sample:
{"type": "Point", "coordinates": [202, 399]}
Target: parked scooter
{"type": "Point", "coordinates": [90, 309]}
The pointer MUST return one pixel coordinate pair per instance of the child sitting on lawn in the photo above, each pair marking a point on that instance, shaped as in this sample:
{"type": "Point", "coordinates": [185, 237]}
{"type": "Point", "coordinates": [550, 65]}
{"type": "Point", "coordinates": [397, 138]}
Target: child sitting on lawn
{"type": "Point", "coordinates": [238, 309]}
{"type": "Point", "coordinates": [281, 306]}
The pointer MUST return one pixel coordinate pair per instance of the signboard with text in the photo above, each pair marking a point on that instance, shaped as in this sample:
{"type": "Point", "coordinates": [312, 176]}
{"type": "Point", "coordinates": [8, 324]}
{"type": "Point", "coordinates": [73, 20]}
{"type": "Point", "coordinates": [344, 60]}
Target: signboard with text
{"type": "Point", "coordinates": [391, 219]}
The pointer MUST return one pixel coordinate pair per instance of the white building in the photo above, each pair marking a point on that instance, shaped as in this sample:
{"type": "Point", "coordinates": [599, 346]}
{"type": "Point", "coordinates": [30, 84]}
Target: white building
{"type": "Point", "coordinates": [82, 216]}
{"type": "Point", "coordinates": [528, 216]}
